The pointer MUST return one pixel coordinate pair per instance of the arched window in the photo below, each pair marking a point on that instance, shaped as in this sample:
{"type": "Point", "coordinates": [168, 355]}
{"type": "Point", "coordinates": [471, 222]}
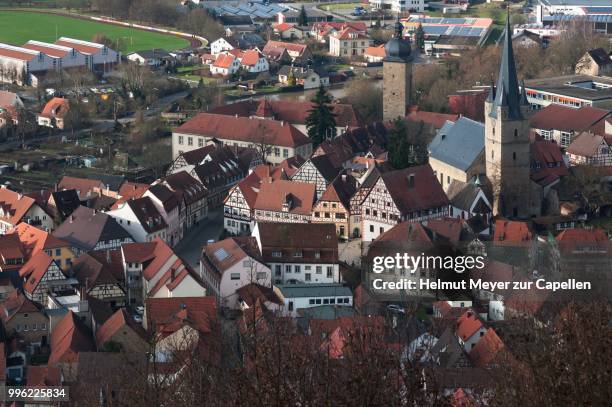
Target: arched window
{"type": "Point", "coordinates": [492, 154]}
{"type": "Point", "coordinates": [515, 132]}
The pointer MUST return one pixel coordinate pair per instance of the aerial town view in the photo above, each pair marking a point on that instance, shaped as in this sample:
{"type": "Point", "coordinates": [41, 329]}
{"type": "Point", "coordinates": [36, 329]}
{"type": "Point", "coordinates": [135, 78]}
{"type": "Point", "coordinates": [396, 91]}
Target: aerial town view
{"type": "Point", "coordinates": [314, 203]}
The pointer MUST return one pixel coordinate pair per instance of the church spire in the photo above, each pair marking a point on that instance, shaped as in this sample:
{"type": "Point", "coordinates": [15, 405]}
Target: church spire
{"type": "Point", "coordinates": [507, 92]}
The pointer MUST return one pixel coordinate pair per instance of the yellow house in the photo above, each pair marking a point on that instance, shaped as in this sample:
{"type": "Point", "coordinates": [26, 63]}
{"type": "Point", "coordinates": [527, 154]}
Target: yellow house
{"type": "Point", "coordinates": [34, 240]}
{"type": "Point", "coordinates": [334, 204]}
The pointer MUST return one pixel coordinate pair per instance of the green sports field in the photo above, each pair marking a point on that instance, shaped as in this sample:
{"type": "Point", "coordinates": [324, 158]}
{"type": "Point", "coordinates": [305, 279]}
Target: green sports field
{"type": "Point", "coordinates": [19, 27]}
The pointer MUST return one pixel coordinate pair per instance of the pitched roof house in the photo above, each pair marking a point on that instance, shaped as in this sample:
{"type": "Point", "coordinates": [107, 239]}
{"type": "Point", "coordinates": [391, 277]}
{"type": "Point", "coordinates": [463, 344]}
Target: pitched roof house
{"type": "Point", "coordinates": [95, 274]}
{"type": "Point", "coordinates": [12, 253]}
{"type": "Point", "coordinates": [86, 229]}
{"type": "Point", "coordinates": [54, 113]}
{"type": "Point", "coordinates": [594, 62]}
{"type": "Point", "coordinates": [68, 338]}
{"type": "Point", "coordinates": [16, 208]}
{"type": "Point", "coordinates": [121, 329]}
{"type": "Point", "coordinates": [35, 240]}
{"type": "Point", "coordinates": [284, 201]}
{"type": "Point", "coordinates": [230, 264]}
{"type": "Point", "coordinates": [304, 253]}
{"type": "Point", "coordinates": [42, 275]}
{"type": "Point", "coordinates": [320, 170]}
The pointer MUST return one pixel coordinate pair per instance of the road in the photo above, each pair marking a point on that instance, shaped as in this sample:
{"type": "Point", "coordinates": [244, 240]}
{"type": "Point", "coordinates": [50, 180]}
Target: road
{"type": "Point", "coordinates": [191, 246]}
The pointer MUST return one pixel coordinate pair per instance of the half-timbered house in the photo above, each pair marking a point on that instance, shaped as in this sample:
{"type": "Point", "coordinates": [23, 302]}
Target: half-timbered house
{"type": "Point", "coordinates": [320, 170]}
{"type": "Point", "coordinates": [468, 200]}
{"type": "Point", "coordinates": [42, 275]}
{"type": "Point", "coordinates": [192, 193]}
{"type": "Point", "coordinates": [96, 277]}
{"type": "Point", "coordinates": [284, 201]}
{"type": "Point", "coordinates": [334, 204]}
{"type": "Point", "coordinates": [367, 182]}
{"type": "Point", "coordinates": [589, 148]}
{"type": "Point", "coordinates": [299, 253]}
{"type": "Point", "coordinates": [412, 194]}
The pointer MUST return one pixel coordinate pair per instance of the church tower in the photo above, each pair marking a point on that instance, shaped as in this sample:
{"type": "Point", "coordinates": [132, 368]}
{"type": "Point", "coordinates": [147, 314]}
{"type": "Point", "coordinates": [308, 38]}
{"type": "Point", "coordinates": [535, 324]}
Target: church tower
{"type": "Point", "coordinates": [397, 75]}
{"type": "Point", "coordinates": [507, 140]}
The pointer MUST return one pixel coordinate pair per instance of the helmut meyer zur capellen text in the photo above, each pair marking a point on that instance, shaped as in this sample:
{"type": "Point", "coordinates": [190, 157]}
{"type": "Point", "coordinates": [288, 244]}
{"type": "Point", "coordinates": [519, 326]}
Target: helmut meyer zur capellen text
{"type": "Point", "coordinates": [411, 264]}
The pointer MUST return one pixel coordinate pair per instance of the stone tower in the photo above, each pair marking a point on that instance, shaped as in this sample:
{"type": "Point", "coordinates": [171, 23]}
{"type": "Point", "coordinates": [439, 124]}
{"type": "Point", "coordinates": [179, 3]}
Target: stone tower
{"type": "Point", "coordinates": [507, 140]}
{"type": "Point", "coordinates": [397, 75]}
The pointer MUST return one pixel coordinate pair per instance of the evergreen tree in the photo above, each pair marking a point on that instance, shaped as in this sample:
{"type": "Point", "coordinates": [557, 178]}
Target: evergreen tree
{"type": "Point", "coordinates": [420, 37]}
{"type": "Point", "coordinates": [403, 150]}
{"type": "Point", "coordinates": [303, 17]}
{"type": "Point", "coordinates": [321, 121]}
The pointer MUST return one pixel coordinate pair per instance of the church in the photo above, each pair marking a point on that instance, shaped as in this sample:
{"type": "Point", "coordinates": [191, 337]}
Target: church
{"type": "Point", "coordinates": [506, 164]}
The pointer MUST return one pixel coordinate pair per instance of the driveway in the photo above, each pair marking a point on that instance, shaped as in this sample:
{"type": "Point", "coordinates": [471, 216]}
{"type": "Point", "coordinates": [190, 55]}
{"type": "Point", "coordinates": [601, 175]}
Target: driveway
{"type": "Point", "coordinates": [190, 247]}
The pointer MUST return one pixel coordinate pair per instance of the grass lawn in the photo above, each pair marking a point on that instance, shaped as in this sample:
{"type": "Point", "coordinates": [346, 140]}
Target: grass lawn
{"type": "Point", "coordinates": [19, 27]}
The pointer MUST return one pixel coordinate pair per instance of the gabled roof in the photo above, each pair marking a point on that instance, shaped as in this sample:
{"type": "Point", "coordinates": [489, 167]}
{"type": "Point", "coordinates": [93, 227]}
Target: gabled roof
{"type": "Point", "coordinates": [34, 270]}
{"type": "Point", "coordinates": [289, 46]}
{"type": "Point", "coordinates": [463, 194]}
{"type": "Point", "coordinates": [85, 47]}
{"type": "Point", "coordinates": [599, 56]}
{"type": "Point", "coordinates": [167, 315]}
{"type": "Point", "coordinates": [438, 120]}
{"type": "Point", "coordinates": [17, 303]}
{"type": "Point", "coordinates": [251, 293]}
{"type": "Point", "coordinates": [138, 252]}
{"type": "Point", "coordinates": [52, 50]}
{"type": "Point", "coordinates": [458, 144]}
{"type": "Point", "coordinates": [511, 232]}
{"type": "Point", "coordinates": [297, 236]}
{"type": "Point", "coordinates": [425, 193]}
{"type": "Point", "coordinates": [341, 189]}
{"type": "Point", "coordinates": [250, 57]}
{"type": "Point", "coordinates": [132, 190]}
{"type": "Point", "coordinates": [549, 164]}
{"type": "Point", "coordinates": [66, 202]}
{"type": "Point", "coordinates": [11, 247]}
{"type": "Point", "coordinates": [225, 127]}
{"type": "Point", "coordinates": [165, 195]}
{"type": "Point", "coordinates": [582, 235]}
{"type": "Point", "coordinates": [93, 271]}
{"type": "Point", "coordinates": [225, 253]}
{"type": "Point", "coordinates": [486, 349]}
{"type": "Point", "coordinates": [56, 107]}
{"type": "Point", "coordinates": [292, 111]}
{"type": "Point", "coordinates": [115, 324]}
{"type": "Point", "coordinates": [297, 197]}
{"type": "Point", "coordinates": [586, 144]}
{"type": "Point", "coordinates": [326, 166]}
{"type": "Point", "coordinates": [43, 376]}
{"type": "Point", "coordinates": [86, 227]}
{"type": "Point", "coordinates": [35, 240]}
{"type": "Point", "coordinates": [378, 51]}
{"type": "Point", "coordinates": [467, 325]}
{"type": "Point", "coordinates": [349, 33]}
{"type": "Point", "coordinates": [224, 61]}
{"type": "Point", "coordinates": [84, 186]}
{"type": "Point", "coordinates": [403, 237]}
{"type": "Point", "coordinates": [69, 337]}
{"type": "Point", "coordinates": [14, 206]}
{"type": "Point", "coordinates": [191, 189]}
{"type": "Point", "coordinates": [566, 118]}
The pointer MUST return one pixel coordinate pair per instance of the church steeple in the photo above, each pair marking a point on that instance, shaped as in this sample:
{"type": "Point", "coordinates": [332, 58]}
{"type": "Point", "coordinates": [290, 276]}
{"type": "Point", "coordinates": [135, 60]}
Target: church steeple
{"type": "Point", "coordinates": [507, 92]}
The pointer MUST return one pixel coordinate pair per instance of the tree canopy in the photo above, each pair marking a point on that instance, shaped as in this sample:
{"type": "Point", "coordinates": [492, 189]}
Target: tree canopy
{"type": "Point", "coordinates": [321, 121]}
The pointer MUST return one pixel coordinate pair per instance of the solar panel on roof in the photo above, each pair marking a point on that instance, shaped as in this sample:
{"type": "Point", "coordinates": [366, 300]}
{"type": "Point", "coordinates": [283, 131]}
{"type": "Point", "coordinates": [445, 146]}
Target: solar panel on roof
{"type": "Point", "coordinates": [221, 254]}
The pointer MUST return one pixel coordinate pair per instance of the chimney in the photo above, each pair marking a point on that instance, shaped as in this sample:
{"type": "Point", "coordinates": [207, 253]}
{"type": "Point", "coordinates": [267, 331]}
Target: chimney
{"type": "Point", "coordinates": [70, 219]}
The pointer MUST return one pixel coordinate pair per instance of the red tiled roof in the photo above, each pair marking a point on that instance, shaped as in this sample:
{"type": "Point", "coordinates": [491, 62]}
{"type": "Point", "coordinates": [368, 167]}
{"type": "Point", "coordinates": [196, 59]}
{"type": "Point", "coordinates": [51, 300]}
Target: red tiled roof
{"type": "Point", "coordinates": [245, 129]}
{"type": "Point", "coordinates": [551, 164]}
{"type": "Point", "coordinates": [147, 214]}
{"type": "Point", "coordinates": [35, 239]}
{"type": "Point", "coordinates": [56, 107]}
{"type": "Point", "coordinates": [14, 206]}
{"type": "Point", "coordinates": [92, 271]}
{"type": "Point", "coordinates": [43, 376]}
{"type": "Point", "coordinates": [511, 232]}
{"type": "Point", "coordinates": [224, 61]}
{"type": "Point", "coordinates": [468, 324]}
{"type": "Point", "coordinates": [69, 337]}
{"type": "Point", "coordinates": [168, 315]}
{"type": "Point", "coordinates": [16, 54]}
{"type": "Point", "coordinates": [51, 51]}
{"type": "Point", "coordinates": [10, 247]}
{"type": "Point", "coordinates": [114, 324]}
{"type": "Point", "coordinates": [253, 293]}
{"type": "Point", "coordinates": [132, 189]}
{"type": "Point", "coordinates": [435, 119]}
{"type": "Point", "coordinates": [235, 249]}
{"type": "Point", "coordinates": [565, 118]}
{"type": "Point", "coordinates": [34, 270]}
{"type": "Point", "coordinates": [582, 235]}
{"type": "Point", "coordinates": [251, 57]}
{"type": "Point", "coordinates": [299, 195]}
{"type": "Point", "coordinates": [378, 51]}
{"type": "Point", "coordinates": [349, 33]}
{"type": "Point", "coordinates": [426, 192]}
{"type": "Point", "coordinates": [84, 186]}
{"type": "Point", "coordinates": [138, 252]}
{"type": "Point", "coordinates": [289, 46]}
{"type": "Point", "coordinates": [485, 350]}
{"type": "Point", "coordinates": [17, 303]}
{"type": "Point", "coordinates": [85, 49]}
{"type": "Point", "coordinates": [586, 144]}
{"type": "Point", "coordinates": [282, 27]}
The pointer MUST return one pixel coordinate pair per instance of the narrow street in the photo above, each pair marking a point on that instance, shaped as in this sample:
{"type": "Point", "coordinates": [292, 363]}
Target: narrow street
{"type": "Point", "coordinates": [191, 246]}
